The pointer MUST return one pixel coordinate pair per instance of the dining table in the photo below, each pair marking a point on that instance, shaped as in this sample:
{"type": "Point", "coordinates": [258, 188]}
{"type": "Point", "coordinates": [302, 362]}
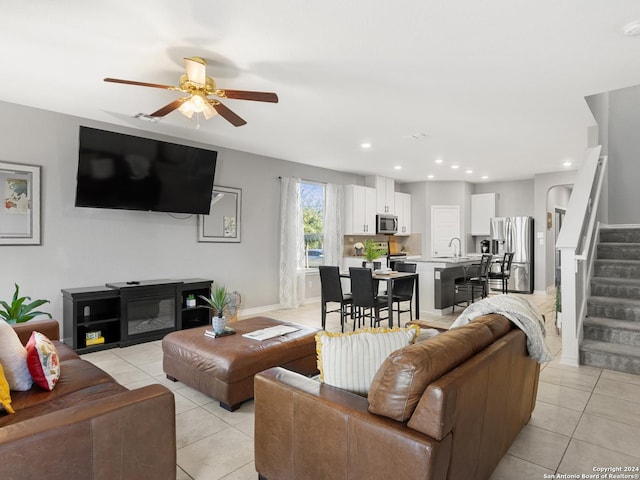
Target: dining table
{"type": "Point", "coordinates": [389, 278]}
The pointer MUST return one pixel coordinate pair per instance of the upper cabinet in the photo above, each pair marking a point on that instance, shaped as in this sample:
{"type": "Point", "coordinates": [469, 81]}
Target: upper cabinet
{"type": "Point", "coordinates": [403, 211]}
{"type": "Point", "coordinates": [359, 210]}
{"type": "Point", "coordinates": [483, 209]}
{"type": "Point", "coordinates": [385, 193]}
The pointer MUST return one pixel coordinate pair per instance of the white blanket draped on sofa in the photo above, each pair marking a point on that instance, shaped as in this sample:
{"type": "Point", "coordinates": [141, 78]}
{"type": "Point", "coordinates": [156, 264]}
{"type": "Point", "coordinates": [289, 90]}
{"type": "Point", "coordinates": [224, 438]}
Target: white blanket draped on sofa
{"type": "Point", "coordinates": [519, 311]}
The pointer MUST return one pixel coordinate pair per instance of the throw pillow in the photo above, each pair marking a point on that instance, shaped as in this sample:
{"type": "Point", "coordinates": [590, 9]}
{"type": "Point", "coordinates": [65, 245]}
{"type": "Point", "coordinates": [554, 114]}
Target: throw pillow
{"type": "Point", "coordinates": [351, 360]}
{"type": "Point", "coordinates": [5, 394]}
{"type": "Point", "coordinates": [13, 357]}
{"type": "Point", "coordinates": [43, 362]}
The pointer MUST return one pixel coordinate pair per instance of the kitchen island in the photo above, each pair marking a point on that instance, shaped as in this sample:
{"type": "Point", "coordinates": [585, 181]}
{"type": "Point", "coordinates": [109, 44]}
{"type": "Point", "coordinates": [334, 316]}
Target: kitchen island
{"type": "Point", "coordinates": [437, 281]}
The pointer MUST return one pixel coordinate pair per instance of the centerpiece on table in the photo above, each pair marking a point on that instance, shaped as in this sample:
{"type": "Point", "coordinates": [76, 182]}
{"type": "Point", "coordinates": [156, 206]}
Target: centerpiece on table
{"type": "Point", "coordinates": [372, 251]}
{"type": "Point", "coordinates": [218, 303]}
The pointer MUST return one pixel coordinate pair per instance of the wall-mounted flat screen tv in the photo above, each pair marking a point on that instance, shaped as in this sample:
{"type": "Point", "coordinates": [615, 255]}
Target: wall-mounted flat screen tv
{"type": "Point", "coordinates": [132, 173]}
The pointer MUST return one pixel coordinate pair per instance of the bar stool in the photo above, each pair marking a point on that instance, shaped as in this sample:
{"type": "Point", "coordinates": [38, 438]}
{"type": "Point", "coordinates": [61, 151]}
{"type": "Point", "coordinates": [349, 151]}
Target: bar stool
{"type": "Point", "coordinates": [469, 285]}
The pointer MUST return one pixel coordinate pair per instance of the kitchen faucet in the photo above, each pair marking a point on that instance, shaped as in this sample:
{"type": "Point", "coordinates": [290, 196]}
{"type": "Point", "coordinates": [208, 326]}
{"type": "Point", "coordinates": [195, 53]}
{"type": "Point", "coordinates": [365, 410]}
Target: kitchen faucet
{"type": "Point", "coordinates": [459, 249]}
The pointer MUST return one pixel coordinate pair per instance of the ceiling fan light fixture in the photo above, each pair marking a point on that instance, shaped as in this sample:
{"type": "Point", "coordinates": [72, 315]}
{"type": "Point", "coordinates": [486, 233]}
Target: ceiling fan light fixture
{"type": "Point", "coordinates": [186, 109]}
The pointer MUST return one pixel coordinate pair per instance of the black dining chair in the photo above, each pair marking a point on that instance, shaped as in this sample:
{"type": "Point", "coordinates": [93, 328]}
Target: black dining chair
{"type": "Point", "coordinates": [366, 302]}
{"type": "Point", "coordinates": [402, 290]}
{"type": "Point", "coordinates": [476, 279]}
{"type": "Point", "coordinates": [331, 288]}
{"type": "Point", "coordinates": [504, 273]}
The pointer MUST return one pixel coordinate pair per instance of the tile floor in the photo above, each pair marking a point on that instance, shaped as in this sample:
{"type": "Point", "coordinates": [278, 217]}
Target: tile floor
{"type": "Point", "coordinates": [584, 417]}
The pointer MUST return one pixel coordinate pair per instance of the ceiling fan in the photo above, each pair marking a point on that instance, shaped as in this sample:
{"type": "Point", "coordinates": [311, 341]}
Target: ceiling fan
{"type": "Point", "coordinates": [198, 86]}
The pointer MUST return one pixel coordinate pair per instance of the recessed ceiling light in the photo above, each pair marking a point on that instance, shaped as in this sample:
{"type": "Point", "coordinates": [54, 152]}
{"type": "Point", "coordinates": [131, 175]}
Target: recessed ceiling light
{"type": "Point", "coordinates": [454, 166]}
{"type": "Point", "coordinates": [567, 164]}
{"type": "Point", "coordinates": [398, 167]}
{"type": "Point", "coordinates": [365, 145]}
{"type": "Point", "coordinates": [429, 176]}
{"type": "Point", "coordinates": [439, 160]}
{"type": "Point", "coordinates": [484, 177]}
{"type": "Point", "coordinates": [468, 171]}
{"type": "Point", "coordinates": [632, 29]}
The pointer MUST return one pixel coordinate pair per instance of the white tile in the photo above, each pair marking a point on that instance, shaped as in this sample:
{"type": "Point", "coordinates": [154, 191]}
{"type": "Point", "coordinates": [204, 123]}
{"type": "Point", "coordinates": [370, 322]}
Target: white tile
{"type": "Point", "coordinates": [621, 377]}
{"type": "Point", "coordinates": [245, 412]}
{"type": "Point", "coordinates": [248, 472]}
{"type": "Point", "coordinates": [614, 408]}
{"type": "Point", "coordinates": [183, 403]}
{"type": "Point", "coordinates": [196, 424]}
{"type": "Point", "coordinates": [568, 378]}
{"type": "Point", "coordinates": [562, 396]}
{"type": "Point", "coordinates": [217, 455]}
{"type": "Point", "coordinates": [195, 396]}
{"type": "Point", "coordinates": [609, 434]}
{"type": "Point", "coordinates": [625, 391]}
{"type": "Point", "coordinates": [581, 457]}
{"type": "Point", "coordinates": [539, 446]}
{"type": "Point", "coordinates": [554, 418]}
{"type": "Point", "coordinates": [511, 468]}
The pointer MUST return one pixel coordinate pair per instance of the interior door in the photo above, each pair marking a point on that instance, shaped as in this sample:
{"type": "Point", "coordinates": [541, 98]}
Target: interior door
{"type": "Point", "coordinates": [445, 225]}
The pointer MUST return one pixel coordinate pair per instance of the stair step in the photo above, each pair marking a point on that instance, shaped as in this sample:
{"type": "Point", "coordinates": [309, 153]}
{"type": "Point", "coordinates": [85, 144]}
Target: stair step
{"type": "Point", "coordinates": [612, 356]}
{"type": "Point", "coordinates": [615, 287]}
{"type": "Point", "coordinates": [611, 330]}
{"type": "Point", "coordinates": [617, 268]}
{"type": "Point", "coordinates": [625, 235]}
{"type": "Point", "coordinates": [619, 251]}
{"type": "Point", "coordinates": [616, 308]}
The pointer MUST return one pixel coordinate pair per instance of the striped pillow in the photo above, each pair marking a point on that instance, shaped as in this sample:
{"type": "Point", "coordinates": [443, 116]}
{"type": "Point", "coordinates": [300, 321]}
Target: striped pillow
{"type": "Point", "coordinates": [351, 360]}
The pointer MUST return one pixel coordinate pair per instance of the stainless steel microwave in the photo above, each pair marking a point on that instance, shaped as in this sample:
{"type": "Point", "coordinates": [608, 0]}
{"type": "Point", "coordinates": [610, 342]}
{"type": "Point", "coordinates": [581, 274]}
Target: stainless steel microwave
{"type": "Point", "coordinates": [386, 224]}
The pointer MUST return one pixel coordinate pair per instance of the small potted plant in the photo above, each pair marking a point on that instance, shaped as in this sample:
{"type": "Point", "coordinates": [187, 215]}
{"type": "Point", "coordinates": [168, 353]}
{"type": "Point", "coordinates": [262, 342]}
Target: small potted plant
{"type": "Point", "coordinates": [371, 252]}
{"type": "Point", "coordinates": [191, 300]}
{"type": "Point", "coordinates": [19, 311]}
{"type": "Point", "coordinates": [218, 303]}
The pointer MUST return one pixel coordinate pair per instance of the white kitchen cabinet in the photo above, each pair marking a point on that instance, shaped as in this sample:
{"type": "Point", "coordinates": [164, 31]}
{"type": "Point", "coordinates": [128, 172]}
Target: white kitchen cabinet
{"type": "Point", "coordinates": [359, 210]}
{"type": "Point", "coordinates": [385, 193]}
{"type": "Point", "coordinates": [403, 211]}
{"type": "Point", "coordinates": [483, 209]}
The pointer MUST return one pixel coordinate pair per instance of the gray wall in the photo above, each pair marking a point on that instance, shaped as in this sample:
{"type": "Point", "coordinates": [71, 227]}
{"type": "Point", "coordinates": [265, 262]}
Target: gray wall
{"type": "Point", "coordinates": [515, 199]}
{"type": "Point", "coordinates": [88, 247]}
{"type": "Point", "coordinates": [624, 155]}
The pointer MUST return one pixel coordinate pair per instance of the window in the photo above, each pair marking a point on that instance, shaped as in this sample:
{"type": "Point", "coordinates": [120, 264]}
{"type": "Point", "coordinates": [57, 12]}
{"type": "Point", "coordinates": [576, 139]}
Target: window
{"type": "Point", "coordinates": [312, 198]}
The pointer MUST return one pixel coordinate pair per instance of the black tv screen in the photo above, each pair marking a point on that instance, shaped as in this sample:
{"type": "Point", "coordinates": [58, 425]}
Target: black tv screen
{"type": "Point", "coordinates": [132, 173]}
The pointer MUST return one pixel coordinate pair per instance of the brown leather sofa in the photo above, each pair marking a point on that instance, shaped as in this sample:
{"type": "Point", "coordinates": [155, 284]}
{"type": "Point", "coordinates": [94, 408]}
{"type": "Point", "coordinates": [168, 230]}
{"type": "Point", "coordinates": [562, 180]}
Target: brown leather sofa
{"type": "Point", "coordinates": [445, 408]}
{"type": "Point", "coordinates": [89, 426]}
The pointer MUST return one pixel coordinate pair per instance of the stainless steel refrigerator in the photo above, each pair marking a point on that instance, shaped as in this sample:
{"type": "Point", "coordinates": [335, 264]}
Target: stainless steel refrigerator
{"type": "Point", "coordinates": [515, 234]}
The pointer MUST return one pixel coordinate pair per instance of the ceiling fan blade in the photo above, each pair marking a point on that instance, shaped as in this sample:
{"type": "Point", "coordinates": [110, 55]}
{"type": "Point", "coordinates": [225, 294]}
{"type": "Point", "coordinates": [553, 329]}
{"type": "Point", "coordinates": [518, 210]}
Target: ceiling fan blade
{"type": "Point", "coordinates": [227, 114]}
{"type": "Point", "coordinates": [196, 70]}
{"type": "Point", "coordinates": [142, 84]}
{"type": "Point", "coordinates": [245, 95]}
{"type": "Point", "coordinates": [168, 108]}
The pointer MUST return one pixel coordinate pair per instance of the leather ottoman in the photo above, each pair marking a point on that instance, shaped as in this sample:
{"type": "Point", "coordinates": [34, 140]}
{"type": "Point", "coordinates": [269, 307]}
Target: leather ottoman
{"type": "Point", "coordinates": [223, 367]}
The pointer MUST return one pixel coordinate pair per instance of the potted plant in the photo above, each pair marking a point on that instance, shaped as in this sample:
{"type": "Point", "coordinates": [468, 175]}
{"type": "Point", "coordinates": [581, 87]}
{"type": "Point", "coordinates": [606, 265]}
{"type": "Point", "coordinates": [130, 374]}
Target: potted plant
{"type": "Point", "coordinates": [218, 303]}
{"type": "Point", "coordinates": [19, 311]}
{"type": "Point", "coordinates": [371, 252]}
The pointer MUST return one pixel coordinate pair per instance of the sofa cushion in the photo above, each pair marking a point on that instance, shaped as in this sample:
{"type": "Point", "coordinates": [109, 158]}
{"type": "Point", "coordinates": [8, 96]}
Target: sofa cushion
{"type": "Point", "coordinates": [403, 377]}
{"type": "Point", "coordinates": [74, 375]}
{"type": "Point", "coordinates": [5, 394]}
{"type": "Point", "coordinates": [55, 403]}
{"type": "Point", "coordinates": [13, 357]}
{"type": "Point", "coordinates": [42, 360]}
{"type": "Point", "coordinates": [350, 361]}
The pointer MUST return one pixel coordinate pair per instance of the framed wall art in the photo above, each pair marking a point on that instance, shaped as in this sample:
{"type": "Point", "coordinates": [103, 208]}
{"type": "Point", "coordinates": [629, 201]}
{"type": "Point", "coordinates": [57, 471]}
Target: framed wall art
{"type": "Point", "coordinates": [223, 222]}
{"type": "Point", "coordinates": [20, 209]}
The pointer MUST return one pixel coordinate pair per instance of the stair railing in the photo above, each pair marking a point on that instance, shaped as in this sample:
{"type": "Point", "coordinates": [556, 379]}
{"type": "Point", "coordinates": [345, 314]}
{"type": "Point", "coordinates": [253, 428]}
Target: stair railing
{"type": "Point", "coordinates": [577, 242]}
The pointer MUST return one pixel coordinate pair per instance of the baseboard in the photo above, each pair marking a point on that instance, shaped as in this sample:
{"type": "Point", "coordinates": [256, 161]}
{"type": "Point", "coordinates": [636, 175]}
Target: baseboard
{"type": "Point", "coordinates": [252, 312]}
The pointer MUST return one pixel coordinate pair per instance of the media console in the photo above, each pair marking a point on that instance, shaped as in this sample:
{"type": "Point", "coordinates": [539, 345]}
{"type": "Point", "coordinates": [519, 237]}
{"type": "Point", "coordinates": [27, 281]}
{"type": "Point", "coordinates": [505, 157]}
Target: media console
{"type": "Point", "coordinates": [131, 312]}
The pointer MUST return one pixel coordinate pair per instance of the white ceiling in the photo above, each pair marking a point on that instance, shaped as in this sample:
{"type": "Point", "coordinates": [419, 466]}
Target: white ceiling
{"type": "Point", "coordinates": [496, 86]}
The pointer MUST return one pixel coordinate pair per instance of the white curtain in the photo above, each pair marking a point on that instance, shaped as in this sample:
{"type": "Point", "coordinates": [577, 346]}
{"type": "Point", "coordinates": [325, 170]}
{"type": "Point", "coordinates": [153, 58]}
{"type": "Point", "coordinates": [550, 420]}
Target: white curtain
{"type": "Point", "coordinates": [291, 244]}
{"type": "Point", "coordinates": [333, 224]}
